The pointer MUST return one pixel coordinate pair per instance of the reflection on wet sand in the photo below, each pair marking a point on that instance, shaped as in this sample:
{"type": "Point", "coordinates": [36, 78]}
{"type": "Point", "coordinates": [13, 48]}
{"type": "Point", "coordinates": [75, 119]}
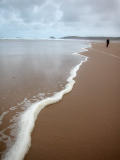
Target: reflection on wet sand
{"type": "Point", "coordinates": [31, 71]}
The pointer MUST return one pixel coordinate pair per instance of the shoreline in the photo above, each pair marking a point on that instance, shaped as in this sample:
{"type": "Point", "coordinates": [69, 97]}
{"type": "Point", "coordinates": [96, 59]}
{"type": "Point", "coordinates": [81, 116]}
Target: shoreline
{"type": "Point", "coordinates": [83, 125]}
{"type": "Point", "coordinates": [28, 118]}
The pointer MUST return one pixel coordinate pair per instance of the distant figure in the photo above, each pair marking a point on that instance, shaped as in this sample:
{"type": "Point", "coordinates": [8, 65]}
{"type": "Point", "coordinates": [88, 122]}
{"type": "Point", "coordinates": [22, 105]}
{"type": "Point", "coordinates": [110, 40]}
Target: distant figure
{"type": "Point", "coordinates": [107, 42]}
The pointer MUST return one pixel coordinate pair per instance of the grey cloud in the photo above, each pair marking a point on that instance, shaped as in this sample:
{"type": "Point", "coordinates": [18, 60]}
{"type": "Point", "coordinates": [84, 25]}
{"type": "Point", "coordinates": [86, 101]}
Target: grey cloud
{"type": "Point", "coordinates": [92, 14]}
{"type": "Point", "coordinates": [74, 10]}
{"type": "Point", "coordinates": [62, 16]}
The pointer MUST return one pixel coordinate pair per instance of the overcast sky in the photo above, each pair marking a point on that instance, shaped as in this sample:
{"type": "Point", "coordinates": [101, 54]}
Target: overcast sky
{"type": "Point", "coordinates": [45, 18]}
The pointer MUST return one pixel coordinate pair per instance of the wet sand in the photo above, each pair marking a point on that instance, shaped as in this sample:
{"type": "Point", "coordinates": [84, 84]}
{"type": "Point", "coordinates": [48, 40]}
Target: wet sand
{"type": "Point", "coordinates": [85, 125]}
{"type": "Point", "coordinates": [30, 70]}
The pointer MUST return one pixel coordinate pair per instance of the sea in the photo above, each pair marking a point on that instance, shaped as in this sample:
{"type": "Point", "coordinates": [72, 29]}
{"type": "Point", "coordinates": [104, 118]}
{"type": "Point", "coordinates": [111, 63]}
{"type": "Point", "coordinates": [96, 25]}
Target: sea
{"type": "Point", "coordinates": [33, 75]}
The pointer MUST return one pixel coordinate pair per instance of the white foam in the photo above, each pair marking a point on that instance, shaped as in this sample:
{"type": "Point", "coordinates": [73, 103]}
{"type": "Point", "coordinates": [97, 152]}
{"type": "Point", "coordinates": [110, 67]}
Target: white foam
{"type": "Point", "coordinates": [27, 120]}
{"type": "Point", "coordinates": [2, 116]}
{"type": "Point", "coordinates": [82, 50]}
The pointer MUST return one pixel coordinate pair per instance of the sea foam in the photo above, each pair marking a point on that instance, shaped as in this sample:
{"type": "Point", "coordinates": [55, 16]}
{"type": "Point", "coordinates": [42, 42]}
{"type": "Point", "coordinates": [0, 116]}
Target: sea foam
{"type": "Point", "coordinates": [2, 116]}
{"type": "Point", "coordinates": [27, 120]}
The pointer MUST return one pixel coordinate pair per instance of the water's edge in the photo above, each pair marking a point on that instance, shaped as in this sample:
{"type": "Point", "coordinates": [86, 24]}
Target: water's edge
{"type": "Point", "coordinates": [27, 120]}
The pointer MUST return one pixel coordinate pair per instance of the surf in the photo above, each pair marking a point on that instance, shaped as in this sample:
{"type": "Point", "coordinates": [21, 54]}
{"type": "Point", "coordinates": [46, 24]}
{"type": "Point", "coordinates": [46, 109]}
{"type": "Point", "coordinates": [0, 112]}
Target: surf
{"type": "Point", "coordinates": [26, 121]}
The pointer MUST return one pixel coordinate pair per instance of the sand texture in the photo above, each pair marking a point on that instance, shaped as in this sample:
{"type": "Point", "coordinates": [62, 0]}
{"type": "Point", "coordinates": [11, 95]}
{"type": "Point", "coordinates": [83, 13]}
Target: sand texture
{"type": "Point", "coordinates": [85, 125]}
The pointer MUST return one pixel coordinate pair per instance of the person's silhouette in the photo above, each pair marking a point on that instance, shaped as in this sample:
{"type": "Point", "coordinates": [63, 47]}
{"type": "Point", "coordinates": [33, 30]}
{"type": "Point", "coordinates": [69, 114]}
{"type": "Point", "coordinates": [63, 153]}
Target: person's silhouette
{"type": "Point", "coordinates": [107, 42]}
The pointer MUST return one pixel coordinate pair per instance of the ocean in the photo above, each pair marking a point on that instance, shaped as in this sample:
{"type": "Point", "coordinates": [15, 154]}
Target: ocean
{"type": "Point", "coordinates": [33, 75]}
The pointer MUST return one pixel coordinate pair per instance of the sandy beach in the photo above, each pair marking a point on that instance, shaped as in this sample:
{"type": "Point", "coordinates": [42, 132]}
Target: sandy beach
{"type": "Point", "coordinates": [31, 71]}
{"type": "Point", "coordinates": [59, 80]}
{"type": "Point", "coordinates": [85, 125]}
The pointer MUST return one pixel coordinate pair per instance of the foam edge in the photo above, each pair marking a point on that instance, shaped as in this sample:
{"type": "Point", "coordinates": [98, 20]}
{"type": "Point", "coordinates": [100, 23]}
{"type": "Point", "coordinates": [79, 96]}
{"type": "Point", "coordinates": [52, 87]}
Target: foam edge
{"type": "Point", "coordinates": [27, 119]}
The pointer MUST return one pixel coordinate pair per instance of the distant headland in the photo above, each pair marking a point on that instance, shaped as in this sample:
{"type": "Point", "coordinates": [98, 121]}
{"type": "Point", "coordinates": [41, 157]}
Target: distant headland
{"type": "Point", "coordinates": [90, 38]}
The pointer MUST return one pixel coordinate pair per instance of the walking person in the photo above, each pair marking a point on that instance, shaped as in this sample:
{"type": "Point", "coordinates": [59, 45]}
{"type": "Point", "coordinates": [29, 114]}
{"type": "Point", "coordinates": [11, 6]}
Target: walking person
{"type": "Point", "coordinates": [107, 42]}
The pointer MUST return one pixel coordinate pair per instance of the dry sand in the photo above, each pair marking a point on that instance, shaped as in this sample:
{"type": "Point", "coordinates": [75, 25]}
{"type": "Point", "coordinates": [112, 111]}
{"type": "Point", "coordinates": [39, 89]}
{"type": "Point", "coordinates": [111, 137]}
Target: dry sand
{"type": "Point", "coordinates": [85, 125]}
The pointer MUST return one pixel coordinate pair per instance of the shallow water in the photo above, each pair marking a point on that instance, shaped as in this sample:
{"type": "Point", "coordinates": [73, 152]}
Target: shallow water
{"type": "Point", "coordinates": [30, 71]}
